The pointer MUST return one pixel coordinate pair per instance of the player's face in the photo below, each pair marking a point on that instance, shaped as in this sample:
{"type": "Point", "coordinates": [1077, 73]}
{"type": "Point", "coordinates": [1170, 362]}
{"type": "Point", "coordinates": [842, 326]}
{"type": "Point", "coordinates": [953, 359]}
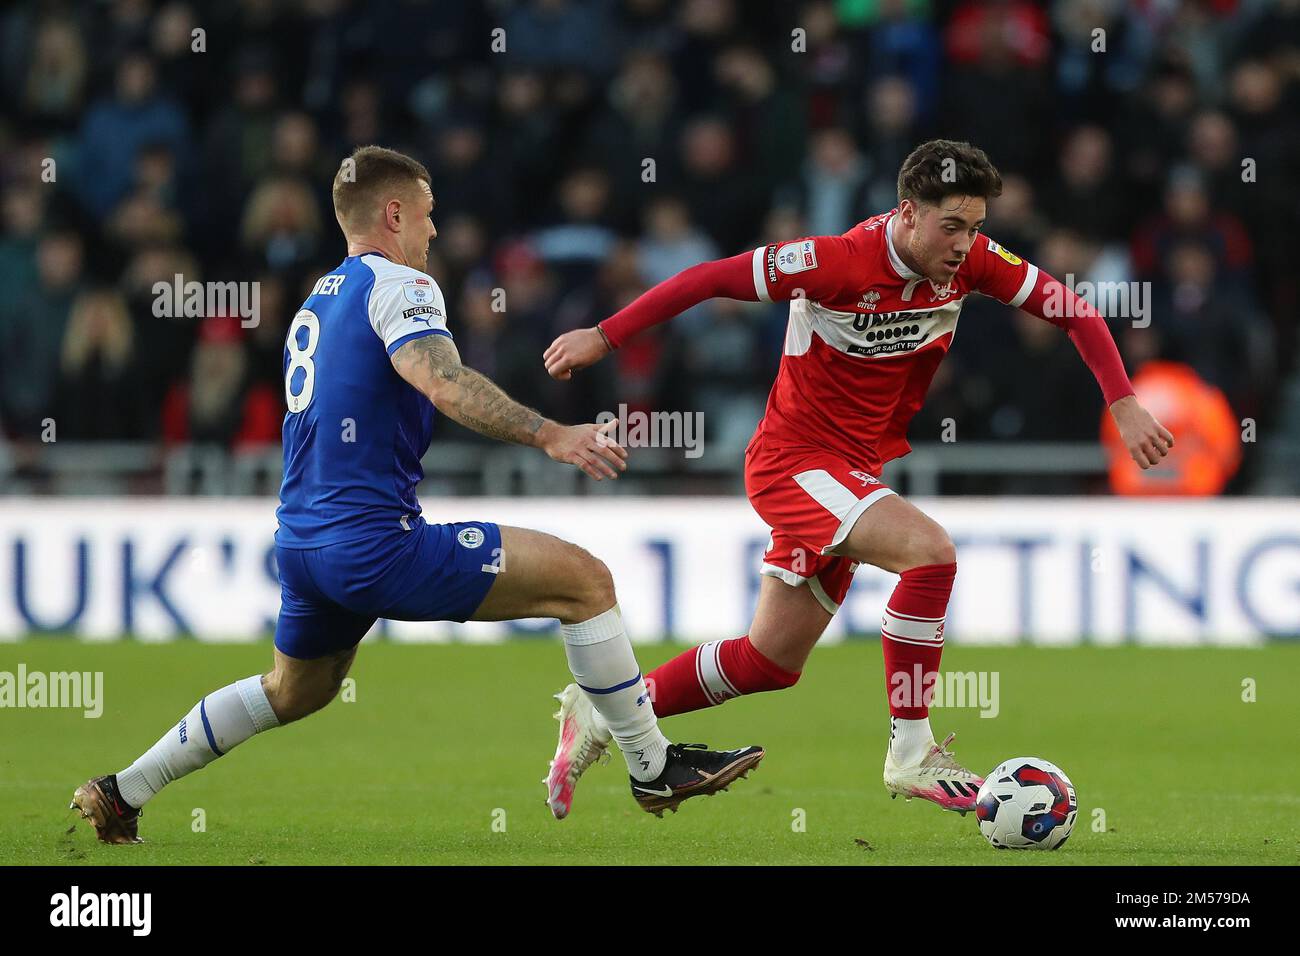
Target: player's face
{"type": "Point", "coordinates": [416, 236]}
{"type": "Point", "coordinates": [943, 234]}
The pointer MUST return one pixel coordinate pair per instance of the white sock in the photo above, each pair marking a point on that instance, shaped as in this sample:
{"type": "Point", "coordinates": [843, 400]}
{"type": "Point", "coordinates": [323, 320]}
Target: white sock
{"type": "Point", "coordinates": [601, 659]}
{"type": "Point", "coordinates": [910, 740]}
{"type": "Point", "coordinates": [220, 721]}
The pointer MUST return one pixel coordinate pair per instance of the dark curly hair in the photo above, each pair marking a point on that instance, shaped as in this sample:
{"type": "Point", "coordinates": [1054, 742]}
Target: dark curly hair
{"type": "Point", "coordinates": [945, 167]}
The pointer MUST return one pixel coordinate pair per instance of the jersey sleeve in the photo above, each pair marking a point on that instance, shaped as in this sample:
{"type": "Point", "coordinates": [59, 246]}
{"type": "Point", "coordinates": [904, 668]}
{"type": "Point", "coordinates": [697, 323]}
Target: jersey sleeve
{"type": "Point", "coordinates": [406, 306]}
{"type": "Point", "coordinates": [815, 268]}
{"type": "Point", "coordinates": [1003, 274]}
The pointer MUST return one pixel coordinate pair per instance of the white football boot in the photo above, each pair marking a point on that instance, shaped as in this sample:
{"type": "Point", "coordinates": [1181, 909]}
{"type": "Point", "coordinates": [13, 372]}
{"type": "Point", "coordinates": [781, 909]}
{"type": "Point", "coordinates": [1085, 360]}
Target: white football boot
{"type": "Point", "coordinates": [937, 777]}
{"type": "Point", "coordinates": [584, 739]}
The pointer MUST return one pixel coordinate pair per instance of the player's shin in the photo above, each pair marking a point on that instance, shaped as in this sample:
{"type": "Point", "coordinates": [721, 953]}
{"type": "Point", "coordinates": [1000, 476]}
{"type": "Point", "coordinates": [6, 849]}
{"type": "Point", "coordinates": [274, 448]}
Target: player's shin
{"type": "Point", "coordinates": [220, 721]}
{"type": "Point", "coordinates": [712, 674]}
{"type": "Point", "coordinates": [912, 641]}
{"type": "Point", "coordinates": [601, 659]}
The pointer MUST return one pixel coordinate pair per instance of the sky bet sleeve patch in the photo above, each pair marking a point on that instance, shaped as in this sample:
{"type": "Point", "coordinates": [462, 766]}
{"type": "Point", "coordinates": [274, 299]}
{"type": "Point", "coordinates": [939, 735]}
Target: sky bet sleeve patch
{"type": "Point", "coordinates": [793, 257]}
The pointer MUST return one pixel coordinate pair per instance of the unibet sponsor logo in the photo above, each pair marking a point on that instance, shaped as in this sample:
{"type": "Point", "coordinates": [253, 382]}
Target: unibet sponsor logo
{"type": "Point", "coordinates": [862, 321]}
{"type": "Point", "coordinates": [893, 333]}
{"type": "Point", "coordinates": [889, 332]}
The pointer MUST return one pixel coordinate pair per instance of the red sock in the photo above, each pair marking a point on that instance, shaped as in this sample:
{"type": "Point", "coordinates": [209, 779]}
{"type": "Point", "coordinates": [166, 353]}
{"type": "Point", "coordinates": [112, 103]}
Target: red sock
{"type": "Point", "coordinates": [912, 637]}
{"type": "Point", "coordinates": [713, 673]}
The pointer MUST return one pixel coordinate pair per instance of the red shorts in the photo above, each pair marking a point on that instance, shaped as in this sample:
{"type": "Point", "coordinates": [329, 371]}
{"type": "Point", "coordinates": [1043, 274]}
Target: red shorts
{"type": "Point", "coordinates": [810, 499]}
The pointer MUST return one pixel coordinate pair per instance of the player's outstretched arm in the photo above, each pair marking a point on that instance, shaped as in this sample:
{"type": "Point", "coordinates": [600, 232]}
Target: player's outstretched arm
{"type": "Point", "coordinates": [731, 278]}
{"type": "Point", "coordinates": [432, 365]}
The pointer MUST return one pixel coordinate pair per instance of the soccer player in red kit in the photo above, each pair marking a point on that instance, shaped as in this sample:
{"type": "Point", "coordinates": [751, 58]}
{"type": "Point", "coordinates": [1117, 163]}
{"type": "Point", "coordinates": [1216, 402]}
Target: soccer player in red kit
{"type": "Point", "coordinates": [872, 313]}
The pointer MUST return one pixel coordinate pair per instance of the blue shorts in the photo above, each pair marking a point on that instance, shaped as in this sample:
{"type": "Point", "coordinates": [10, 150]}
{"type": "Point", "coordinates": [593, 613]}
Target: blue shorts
{"type": "Point", "coordinates": [331, 596]}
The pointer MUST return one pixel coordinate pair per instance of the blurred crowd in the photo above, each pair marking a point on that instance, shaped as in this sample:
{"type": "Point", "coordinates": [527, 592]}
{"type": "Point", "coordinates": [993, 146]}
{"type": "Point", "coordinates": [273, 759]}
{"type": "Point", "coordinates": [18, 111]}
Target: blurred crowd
{"type": "Point", "coordinates": [582, 150]}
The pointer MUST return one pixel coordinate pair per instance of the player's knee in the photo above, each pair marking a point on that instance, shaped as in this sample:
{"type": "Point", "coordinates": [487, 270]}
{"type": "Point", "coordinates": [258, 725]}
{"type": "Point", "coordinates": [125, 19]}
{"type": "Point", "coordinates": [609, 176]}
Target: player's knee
{"type": "Point", "coordinates": [602, 585]}
{"type": "Point", "coordinates": [593, 590]}
{"type": "Point", "coordinates": [932, 546]}
{"type": "Point", "coordinates": [306, 702]}
{"type": "Point", "coordinates": [295, 699]}
{"type": "Point", "coordinates": [781, 656]}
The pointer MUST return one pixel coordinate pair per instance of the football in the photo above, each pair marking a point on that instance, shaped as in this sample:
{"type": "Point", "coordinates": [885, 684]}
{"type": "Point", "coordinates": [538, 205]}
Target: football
{"type": "Point", "coordinates": [1026, 803]}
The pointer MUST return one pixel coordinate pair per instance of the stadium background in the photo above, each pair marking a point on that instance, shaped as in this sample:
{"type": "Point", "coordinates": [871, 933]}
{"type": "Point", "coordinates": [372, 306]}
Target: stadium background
{"type": "Point", "coordinates": [139, 455]}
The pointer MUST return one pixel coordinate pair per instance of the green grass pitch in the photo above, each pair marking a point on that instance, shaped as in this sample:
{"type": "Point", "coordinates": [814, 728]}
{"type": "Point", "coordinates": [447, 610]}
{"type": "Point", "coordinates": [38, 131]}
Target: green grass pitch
{"type": "Point", "coordinates": [439, 761]}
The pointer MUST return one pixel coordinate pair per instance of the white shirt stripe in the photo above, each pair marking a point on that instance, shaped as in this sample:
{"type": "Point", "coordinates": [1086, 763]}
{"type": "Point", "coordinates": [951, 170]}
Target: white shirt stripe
{"type": "Point", "coordinates": [1031, 278]}
{"type": "Point", "coordinates": [760, 284]}
{"type": "Point", "coordinates": [822, 487]}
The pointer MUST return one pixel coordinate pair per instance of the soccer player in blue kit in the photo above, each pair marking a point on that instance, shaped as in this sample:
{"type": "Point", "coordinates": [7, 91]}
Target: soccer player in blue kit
{"type": "Point", "coordinates": [368, 358]}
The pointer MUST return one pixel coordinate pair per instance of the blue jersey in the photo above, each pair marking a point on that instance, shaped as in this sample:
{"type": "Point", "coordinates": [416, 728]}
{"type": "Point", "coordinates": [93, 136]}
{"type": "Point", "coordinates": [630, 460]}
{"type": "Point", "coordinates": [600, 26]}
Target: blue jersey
{"type": "Point", "coordinates": [355, 430]}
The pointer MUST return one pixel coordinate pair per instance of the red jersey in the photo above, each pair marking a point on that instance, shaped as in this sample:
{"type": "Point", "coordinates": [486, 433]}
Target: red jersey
{"type": "Point", "coordinates": [866, 335]}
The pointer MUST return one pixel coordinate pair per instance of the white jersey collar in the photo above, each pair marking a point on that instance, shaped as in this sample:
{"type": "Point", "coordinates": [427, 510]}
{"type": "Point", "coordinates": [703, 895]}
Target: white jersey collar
{"type": "Point", "coordinates": [899, 266]}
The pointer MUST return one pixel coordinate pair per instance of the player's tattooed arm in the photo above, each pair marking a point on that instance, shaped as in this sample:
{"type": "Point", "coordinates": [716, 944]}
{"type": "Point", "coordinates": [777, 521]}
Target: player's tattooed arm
{"type": "Point", "coordinates": [432, 365]}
